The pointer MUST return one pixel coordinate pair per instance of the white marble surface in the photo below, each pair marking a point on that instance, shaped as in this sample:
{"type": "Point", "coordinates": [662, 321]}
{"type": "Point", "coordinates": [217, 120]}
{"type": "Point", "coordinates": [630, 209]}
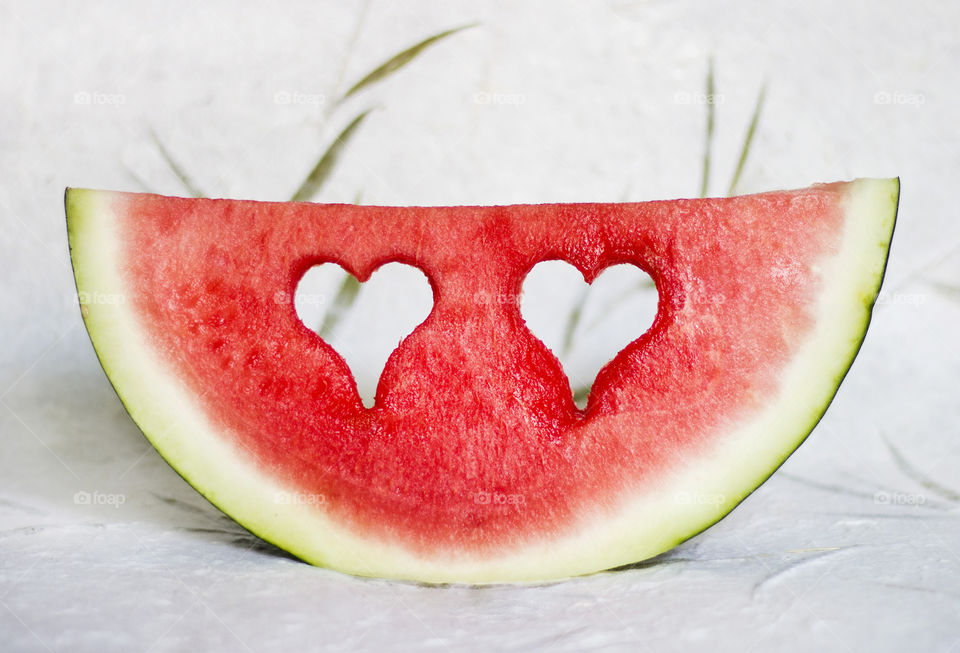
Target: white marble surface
{"type": "Point", "coordinates": [852, 546]}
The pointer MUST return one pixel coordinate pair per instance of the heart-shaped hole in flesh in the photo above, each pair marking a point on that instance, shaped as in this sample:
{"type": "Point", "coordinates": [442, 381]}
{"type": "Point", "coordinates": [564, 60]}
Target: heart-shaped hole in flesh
{"type": "Point", "coordinates": [586, 325]}
{"type": "Point", "coordinates": [366, 321]}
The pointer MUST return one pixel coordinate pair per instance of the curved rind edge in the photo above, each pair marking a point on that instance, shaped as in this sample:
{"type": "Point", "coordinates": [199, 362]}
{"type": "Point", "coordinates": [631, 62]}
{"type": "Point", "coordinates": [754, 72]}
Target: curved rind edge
{"type": "Point", "coordinates": [871, 298]}
{"type": "Point", "coordinates": [176, 426]}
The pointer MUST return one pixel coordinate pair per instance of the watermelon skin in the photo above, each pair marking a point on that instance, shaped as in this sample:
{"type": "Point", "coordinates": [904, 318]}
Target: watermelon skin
{"type": "Point", "coordinates": [474, 465]}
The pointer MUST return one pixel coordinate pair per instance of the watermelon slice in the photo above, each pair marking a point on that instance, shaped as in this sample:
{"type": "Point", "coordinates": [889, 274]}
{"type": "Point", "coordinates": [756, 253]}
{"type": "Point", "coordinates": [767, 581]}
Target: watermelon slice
{"type": "Point", "coordinates": [474, 464]}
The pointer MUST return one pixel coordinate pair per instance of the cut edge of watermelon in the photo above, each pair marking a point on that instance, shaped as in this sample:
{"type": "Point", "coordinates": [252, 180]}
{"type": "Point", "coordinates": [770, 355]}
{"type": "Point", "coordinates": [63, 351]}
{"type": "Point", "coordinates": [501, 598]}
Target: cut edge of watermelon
{"type": "Point", "coordinates": [688, 502]}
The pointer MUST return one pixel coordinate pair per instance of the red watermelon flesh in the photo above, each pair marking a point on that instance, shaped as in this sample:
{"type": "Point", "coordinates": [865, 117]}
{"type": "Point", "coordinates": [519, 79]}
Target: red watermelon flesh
{"type": "Point", "coordinates": [474, 462]}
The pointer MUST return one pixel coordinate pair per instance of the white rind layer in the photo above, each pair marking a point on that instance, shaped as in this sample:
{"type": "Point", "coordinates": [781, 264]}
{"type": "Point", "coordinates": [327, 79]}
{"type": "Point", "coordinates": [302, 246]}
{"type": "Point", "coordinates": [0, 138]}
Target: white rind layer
{"type": "Point", "coordinates": [690, 500]}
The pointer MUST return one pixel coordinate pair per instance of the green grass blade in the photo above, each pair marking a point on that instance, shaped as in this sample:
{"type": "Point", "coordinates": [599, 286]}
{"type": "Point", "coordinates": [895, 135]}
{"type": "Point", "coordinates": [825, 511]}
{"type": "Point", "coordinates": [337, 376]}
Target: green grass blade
{"type": "Point", "coordinates": [399, 60]}
{"type": "Point", "coordinates": [580, 395]}
{"type": "Point", "coordinates": [318, 176]}
{"type": "Point", "coordinates": [917, 476]}
{"type": "Point", "coordinates": [947, 290]}
{"type": "Point", "coordinates": [748, 140]}
{"type": "Point", "coordinates": [180, 173]}
{"type": "Point", "coordinates": [342, 302]}
{"type": "Point", "coordinates": [573, 320]}
{"type": "Point", "coordinates": [711, 118]}
{"type": "Point", "coordinates": [351, 45]}
{"type": "Point", "coordinates": [344, 299]}
{"type": "Point", "coordinates": [138, 180]}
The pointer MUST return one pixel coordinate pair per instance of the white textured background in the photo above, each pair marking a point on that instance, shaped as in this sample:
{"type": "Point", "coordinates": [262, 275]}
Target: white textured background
{"type": "Point", "coordinates": [852, 546]}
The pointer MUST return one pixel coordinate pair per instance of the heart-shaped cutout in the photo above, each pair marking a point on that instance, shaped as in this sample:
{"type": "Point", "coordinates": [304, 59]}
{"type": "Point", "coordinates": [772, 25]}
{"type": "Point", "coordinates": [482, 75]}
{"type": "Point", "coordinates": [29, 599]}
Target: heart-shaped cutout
{"type": "Point", "coordinates": [365, 321]}
{"type": "Point", "coordinates": [586, 325]}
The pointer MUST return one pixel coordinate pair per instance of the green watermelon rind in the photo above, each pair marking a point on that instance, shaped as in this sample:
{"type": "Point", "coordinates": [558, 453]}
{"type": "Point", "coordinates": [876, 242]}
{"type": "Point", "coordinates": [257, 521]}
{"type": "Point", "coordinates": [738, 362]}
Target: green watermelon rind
{"type": "Point", "coordinates": [869, 302]}
{"type": "Point", "coordinates": [640, 528]}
